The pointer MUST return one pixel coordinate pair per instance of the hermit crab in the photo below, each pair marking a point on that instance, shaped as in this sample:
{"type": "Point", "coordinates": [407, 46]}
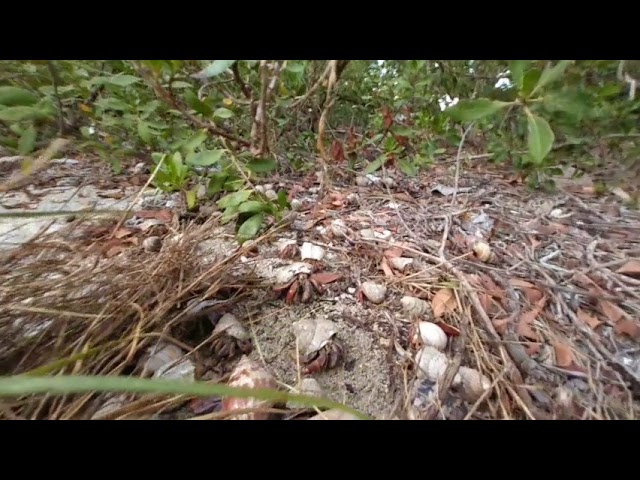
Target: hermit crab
{"type": "Point", "coordinates": [319, 348]}
{"type": "Point", "coordinates": [298, 281]}
{"type": "Point", "coordinates": [230, 339]}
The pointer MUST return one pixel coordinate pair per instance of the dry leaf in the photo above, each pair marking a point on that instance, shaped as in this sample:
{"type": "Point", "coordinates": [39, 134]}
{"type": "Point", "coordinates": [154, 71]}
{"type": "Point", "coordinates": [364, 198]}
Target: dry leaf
{"type": "Point", "coordinates": [393, 252]}
{"type": "Point", "coordinates": [524, 325]}
{"type": "Point", "coordinates": [628, 327]}
{"type": "Point", "coordinates": [163, 215]}
{"type": "Point", "coordinates": [448, 329]}
{"type": "Point", "coordinates": [386, 268]}
{"type": "Point", "coordinates": [500, 325]}
{"type": "Point", "coordinates": [613, 312]}
{"type": "Point", "coordinates": [516, 282]}
{"type": "Point", "coordinates": [533, 348]}
{"type": "Point", "coordinates": [631, 268]}
{"type": "Point", "coordinates": [323, 278]}
{"type": "Point", "coordinates": [444, 301]}
{"type": "Point", "coordinates": [122, 232]}
{"type": "Point", "coordinates": [590, 320]}
{"type": "Point", "coordinates": [564, 355]}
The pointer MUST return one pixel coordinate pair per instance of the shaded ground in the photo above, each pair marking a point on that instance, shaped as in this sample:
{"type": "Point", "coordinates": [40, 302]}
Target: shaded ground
{"type": "Point", "coordinates": [551, 317]}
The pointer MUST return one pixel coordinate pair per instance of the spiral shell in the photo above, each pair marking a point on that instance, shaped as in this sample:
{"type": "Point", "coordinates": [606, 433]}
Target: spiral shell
{"type": "Point", "coordinates": [249, 374]}
{"type": "Point", "coordinates": [413, 306]}
{"type": "Point", "coordinates": [374, 292]}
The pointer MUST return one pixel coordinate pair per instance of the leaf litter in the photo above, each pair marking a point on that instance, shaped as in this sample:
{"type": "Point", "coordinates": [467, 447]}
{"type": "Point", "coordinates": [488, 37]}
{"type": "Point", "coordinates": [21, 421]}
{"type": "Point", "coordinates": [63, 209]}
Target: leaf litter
{"type": "Point", "coordinates": [564, 316]}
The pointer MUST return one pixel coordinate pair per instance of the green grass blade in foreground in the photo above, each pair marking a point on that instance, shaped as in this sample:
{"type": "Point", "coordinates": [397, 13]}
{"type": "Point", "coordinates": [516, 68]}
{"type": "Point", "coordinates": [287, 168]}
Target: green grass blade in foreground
{"type": "Point", "coordinates": [19, 385]}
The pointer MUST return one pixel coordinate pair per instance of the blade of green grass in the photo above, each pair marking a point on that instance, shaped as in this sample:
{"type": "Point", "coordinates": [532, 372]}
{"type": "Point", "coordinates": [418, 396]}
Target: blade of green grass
{"type": "Point", "coordinates": [19, 385]}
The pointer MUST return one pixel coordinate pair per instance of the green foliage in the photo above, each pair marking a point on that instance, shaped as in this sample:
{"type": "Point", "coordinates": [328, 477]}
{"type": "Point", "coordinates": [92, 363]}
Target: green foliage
{"type": "Point", "coordinates": [384, 114]}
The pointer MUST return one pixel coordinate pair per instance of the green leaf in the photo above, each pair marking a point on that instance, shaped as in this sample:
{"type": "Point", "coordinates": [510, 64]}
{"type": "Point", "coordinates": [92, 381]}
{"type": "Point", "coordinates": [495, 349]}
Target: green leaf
{"type": "Point", "coordinates": [250, 227]}
{"type": "Point", "coordinates": [611, 90]}
{"type": "Point", "coordinates": [59, 385]}
{"type": "Point", "coordinates": [551, 74]}
{"type": "Point", "coordinates": [144, 132]}
{"type": "Point", "coordinates": [573, 103]}
{"type": "Point", "coordinates": [27, 141]}
{"type": "Point", "coordinates": [223, 113]}
{"type": "Point", "coordinates": [234, 199]}
{"type": "Point", "coordinates": [283, 199]}
{"type": "Point", "coordinates": [216, 183]}
{"type": "Point", "coordinates": [215, 69]}
{"type": "Point", "coordinates": [206, 158]}
{"type": "Point", "coordinates": [375, 165]}
{"type": "Point", "coordinates": [14, 96]}
{"type": "Point", "coordinates": [408, 167]}
{"type": "Point", "coordinates": [295, 67]}
{"type": "Point", "coordinates": [198, 105]}
{"type": "Point", "coordinates": [195, 140]}
{"type": "Point", "coordinates": [517, 68]}
{"type": "Point", "coordinates": [251, 206]}
{"type": "Point", "coordinates": [122, 80]}
{"type": "Point", "coordinates": [111, 103]}
{"type": "Point", "coordinates": [180, 84]}
{"type": "Point", "coordinates": [529, 81]}
{"type": "Point", "coordinates": [19, 114]}
{"type": "Point", "coordinates": [192, 198]}
{"type": "Point", "coordinates": [262, 165]}
{"type": "Point", "coordinates": [540, 137]}
{"type": "Point", "coordinates": [403, 131]}
{"type": "Point", "coordinates": [471, 110]}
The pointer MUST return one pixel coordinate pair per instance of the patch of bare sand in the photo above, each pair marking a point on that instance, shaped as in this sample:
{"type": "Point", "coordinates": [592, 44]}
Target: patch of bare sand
{"type": "Point", "coordinates": [364, 380]}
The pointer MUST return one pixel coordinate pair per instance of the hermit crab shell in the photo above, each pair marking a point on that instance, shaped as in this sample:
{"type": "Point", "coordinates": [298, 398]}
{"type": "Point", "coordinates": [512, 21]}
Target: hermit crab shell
{"type": "Point", "coordinates": [313, 334]}
{"type": "Point", "coordinates": [232, 327]}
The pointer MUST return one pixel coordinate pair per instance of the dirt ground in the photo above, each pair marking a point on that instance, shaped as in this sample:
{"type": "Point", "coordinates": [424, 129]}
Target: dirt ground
{"type": "Point", "coordinates": [538, 292]}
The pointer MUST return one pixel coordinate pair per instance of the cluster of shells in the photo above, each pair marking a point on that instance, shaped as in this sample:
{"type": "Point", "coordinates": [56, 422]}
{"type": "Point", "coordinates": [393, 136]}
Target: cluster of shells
{"type": "Point", "coordinates": [431, 341]}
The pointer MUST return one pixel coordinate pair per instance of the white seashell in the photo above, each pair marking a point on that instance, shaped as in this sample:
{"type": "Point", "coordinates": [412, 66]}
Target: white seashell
{"type": "Point", "coordinates": [309, 387]}
{"type": "Point", "coordinates": [400, 263]}
{"type": "Point", "coordinates": [271, 194]}
{"type": "Point", "coordinates": [339, 228]}
{"type": "Point", "coordinates": [432, 335]}
{"type": "Point", "coordinates": [184, 370]}
{"type": "Point", "coordinates": [374, 292]}
{"type": "Point", "coordinates": [482, 251]}
{"type": "Point", "coordinates": [311, 251]}
{"type": "Point", "coordinates": [249, 374]}
{"type": "Point", "coordinates": [161, 355]}
{"type": "Point", "coordinates": [413, 306]}
{"type": "Point", "coordinates": [362, 181]}
{"type": "Point", "coordinates": [431, 363]}
{"type": "Point", "coordinates": [334, 414]}
{"type": "Point", "coordinates": [473, 383]}
{"type": "Point", "coordinates": [284, 243]}
{"type": "Point", "coordinates": [313, 334]}
{"type": "Point", "coordinates": [110, 406]}
{"type": "Point", "coordinates": [384, 235]}
{"type": "Point", "coordinates": [285, 274]}
{"type": "Point", "coordinates": [259, 188]}
{"type": "Point", "coordinates": [296, 204]}
{"type": "Point", "coordinates": [389, 182]}
{"type": "Point", "coordinates": [232, 326]}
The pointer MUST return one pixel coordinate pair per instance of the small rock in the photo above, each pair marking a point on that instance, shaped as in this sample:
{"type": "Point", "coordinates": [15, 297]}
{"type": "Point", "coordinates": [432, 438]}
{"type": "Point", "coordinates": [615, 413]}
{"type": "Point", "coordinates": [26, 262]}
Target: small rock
{"type": "Point", "coordinates": [311, 251]}
{"type": "Point", "coordinates": [152, 244]}
{"type": "Point", "coordinates": [339, 228]}
{"type": "Point", "coordinates": [351, 290]}
{"type": "Point", "coordinates": [384, 235]}
{"type": "Point", "coordinates": [374, 292]}
{"type": "Point", "coordinates": [362, 182]}
{"type": "Point", "coordinates": [296, 204]}
{"type": "Point", "coordinates": [259, 188]}
{"type": "Point", "coordinates": [368, 234]}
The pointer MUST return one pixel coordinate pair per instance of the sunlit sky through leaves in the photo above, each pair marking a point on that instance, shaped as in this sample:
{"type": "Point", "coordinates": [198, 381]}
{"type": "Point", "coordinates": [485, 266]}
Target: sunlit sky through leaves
{"type": "Point", "coordinates": [502, 83]}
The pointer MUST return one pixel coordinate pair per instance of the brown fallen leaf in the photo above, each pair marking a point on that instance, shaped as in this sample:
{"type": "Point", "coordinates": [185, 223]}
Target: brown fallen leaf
{"type": "Point", "coordinates": [524, 325]}
{"type": "Point", "coordinates": [322, 278]}
{"type": "Point", "coordinates": [122, 232]}
{"type": "Point", "coordinates": [393, 252]}
{"type": "Point", "coordinates": [500, 325]}
{"type": "Point", "coordinates": [628, 327]}
{"type": "Point", "coordinates": [564, 355]}
{"type": "Point", "coordinates": [444, 301]}
{"type": "Point", "coordinates": [613, 312]}
{"type": "Point", "coordinates": [386, 268]}
{"type": "Point", "coordinates": [631, 268]}
{"type": "Point", "coordinates": [533, 348]}
{"type": "Point", "coordinates": [448, 329]}
{"type": "Point", "coordinates": [516, 282]}
{"type": "Point", "coordinates": [163, 215]}
{"type": "Point", "coordinates": [590, 320]}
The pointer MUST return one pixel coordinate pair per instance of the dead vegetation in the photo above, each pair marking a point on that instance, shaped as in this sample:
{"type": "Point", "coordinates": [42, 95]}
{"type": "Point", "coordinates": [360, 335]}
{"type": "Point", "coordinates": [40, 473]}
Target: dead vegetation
{"type": "Point", "coordinates": [546, 310]}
